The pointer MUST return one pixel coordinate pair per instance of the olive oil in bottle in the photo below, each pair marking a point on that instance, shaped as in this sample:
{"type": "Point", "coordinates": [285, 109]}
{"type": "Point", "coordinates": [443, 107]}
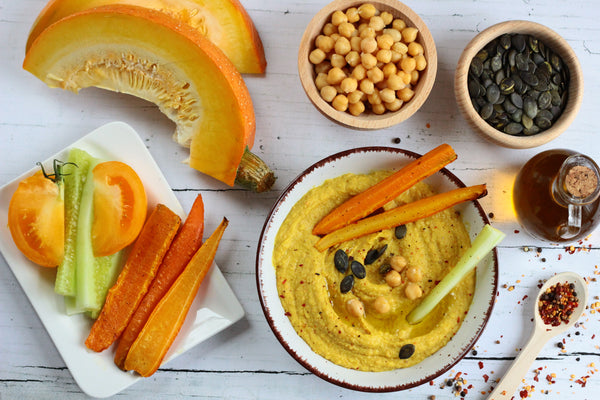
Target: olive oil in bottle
{"type": "Point", "coordinates": [556, 196]}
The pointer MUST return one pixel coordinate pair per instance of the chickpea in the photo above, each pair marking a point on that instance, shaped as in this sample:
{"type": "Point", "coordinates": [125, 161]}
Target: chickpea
{"type": "Point", "coordinates": [378, 108]}
{"type": "Point", "coordinates": [338, 61]}
{"type": "Point", "coordinates": [381, 305]}
{"type": "Point", "coordinates": [395, 82]}
{"type": "Point", "coordinates": [355, 97]}
{"type": "Point", "coordinates": [328, 93]}
{"type": "Point", "coordinates": [414, 274]}
{"type": "Point", "coordinates": [400, 47]}
{"type": "Point", "coordinates": [415, 48]}
{"type": "Point", "coordinates": [355, 43]}
{"type": "Point", "coordinates": [368, 45]}
{"type": "Point", "coordinates": [398, 263]}
{"type": "Point", "coordinates": [374, 98]}
{"type": "Point", "coordinates": [329, 29]}
{"type": "Point", "coordinates": [346, 29]}
{"type": "Point", "coordinates": [383, 56]}
{"type": "Point", "coordinates": [353, 58]}
{"type": "Point", "coordinates": [367, 10]}
{"type": "Point", "coordinates": [408, 64]}
{"type": "Point", "coordinates": [338, 17]}
{"type": "Point", "coordinates": [385, 41]}
{"type": "Point", "coordinates": [409, 34]}
{"type": "Point", "coordinates": [349, 85]}
{"type": "Point", "coordinates": [387, 95]}
{"type": "Point", "coordinates": [367, 32]}
{"type": "Point", "coordinates": [393, 278]}
{"type": "Point", "coordinates": [375, 75]}
{"type": "Point", "coordinates": [342, 46]}
{"type": "Point", "coordinates": [335, 76]}
{"type": "Point", "coordinates": [356, 108]}
{"type": "Point", "coordinates": [396, 57]}
{"type": "Point", "coordinates": [340, 102]}
{"type": "Point", "coordinates": [376, 23]}
{"type": "Point", "coordinates": [359, 72]}
{"type": "Point", "coordinates": [316, 56]}
{"type": "Point", "coordinates": [420, 62]}
{"type": "Point", "coordinates": [395, 34]}
{"type": "Point", "coordinates": [398, 24]}
{"type": "Point", "coordinates": [406, 78]}
{"type": "Point", "coordinates": [394, 105]}
{"type": "Point", "coordinates": [368, 60]}
{"type": "Point", "coordinates": [414, 77]}
{"type": "Point", "coordinates": [387, 17]}
{"type": "Point", "coordinates": [361, 27]}
{"type": "Point", "coordinates": [352, 15]}
{"type": "Point", "coordinates": [325, 43]}
{"type": "Point", "coordinates": [335, 36]}
{"type": "Point", "coordinates": [355, 308]}
{"type": "Point", "coordinates": [321, 80]}
{"type": "Point", "coordinates": [405, 94]}
{"type": "Point", "coordinates": [389, 69]}
{"type": "Point", "coordinates": [413, 291]}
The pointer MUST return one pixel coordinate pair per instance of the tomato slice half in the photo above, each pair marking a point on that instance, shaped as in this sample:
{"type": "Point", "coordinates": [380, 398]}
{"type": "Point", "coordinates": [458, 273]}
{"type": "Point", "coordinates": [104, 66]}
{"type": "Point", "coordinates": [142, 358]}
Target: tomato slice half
{"type": "Point", "coordinates": [36, 217]}
{"type": "Point", "coordinates": [120, 206]}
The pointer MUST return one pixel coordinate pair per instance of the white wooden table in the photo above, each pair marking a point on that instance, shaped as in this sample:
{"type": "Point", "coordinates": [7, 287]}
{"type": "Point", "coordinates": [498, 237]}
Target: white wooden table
{"type": "Point", "coordinates": [246, 361]}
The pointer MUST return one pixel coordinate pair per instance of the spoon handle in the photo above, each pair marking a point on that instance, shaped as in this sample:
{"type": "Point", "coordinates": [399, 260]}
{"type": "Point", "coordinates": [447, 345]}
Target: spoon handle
{"type": "Point", "coordinates": [511, 380]}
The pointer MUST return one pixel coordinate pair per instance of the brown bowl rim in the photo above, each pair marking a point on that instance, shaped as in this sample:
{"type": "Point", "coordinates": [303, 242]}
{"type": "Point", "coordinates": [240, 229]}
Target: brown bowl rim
{"type": "Point", "coordinates": [550, 38]}
{"type": "Point", "coordinates": [369, 121]}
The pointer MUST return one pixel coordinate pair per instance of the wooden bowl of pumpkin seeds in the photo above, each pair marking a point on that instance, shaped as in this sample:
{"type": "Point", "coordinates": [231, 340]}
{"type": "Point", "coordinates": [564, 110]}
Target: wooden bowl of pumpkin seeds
{"type": "Point", "coordinates": [519, 84]}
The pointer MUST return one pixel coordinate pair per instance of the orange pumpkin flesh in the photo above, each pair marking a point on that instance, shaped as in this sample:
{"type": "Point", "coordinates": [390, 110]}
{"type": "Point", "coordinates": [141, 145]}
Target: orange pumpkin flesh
{"type": "Point", "coordinates": [151, 55]}
{"type": "Point", "coordinates": [224, 22]}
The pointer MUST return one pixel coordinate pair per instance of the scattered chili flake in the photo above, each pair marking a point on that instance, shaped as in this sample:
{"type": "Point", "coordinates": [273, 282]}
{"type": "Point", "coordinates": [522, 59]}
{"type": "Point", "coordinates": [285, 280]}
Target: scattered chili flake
{"type": "Point", "coordinates": [557, 303]}
{"type": "Point", "coordinates": [480, 365]}
{"type": "Point", "coordinates": [486, 377]}
{"type": "Point", "coordinates": [428, 125]}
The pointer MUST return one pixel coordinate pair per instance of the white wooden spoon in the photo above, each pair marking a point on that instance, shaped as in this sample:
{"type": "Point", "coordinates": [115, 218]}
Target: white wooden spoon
{"type": "Point", "coordinates": [541, 334]}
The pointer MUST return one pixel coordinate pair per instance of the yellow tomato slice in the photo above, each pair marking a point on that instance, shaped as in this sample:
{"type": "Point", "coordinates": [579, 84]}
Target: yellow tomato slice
{"type": "Point", "coordinates": [36, 217]}
{"type": "Point", "coordinates": [120, 206]}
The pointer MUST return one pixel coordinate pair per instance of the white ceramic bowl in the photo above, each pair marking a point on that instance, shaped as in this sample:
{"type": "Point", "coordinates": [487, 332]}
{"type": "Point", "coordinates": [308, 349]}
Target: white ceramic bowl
{"type": "Point", "coordinates": [364, 160]}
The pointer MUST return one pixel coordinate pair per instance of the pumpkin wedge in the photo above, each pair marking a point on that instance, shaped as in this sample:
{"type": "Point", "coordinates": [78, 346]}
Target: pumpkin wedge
{"type": "Point", "coordinates": [224, 22]}
{"type": "Point", "coordinates": [151, 55]}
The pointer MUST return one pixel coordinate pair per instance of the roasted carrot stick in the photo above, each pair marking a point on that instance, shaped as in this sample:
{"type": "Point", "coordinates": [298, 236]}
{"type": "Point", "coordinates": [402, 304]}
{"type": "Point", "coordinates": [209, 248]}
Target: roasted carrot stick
{"type": "Point", "coordinates": [133, 281]}
{"type": "Point", "coordinates": [364, 203]}
{"type": "Point", "coordinates": [401, 215]}
{"type": "Point", "coordinates": [155, 339]}
{"type": "Point", "coordinates": [186, 243]}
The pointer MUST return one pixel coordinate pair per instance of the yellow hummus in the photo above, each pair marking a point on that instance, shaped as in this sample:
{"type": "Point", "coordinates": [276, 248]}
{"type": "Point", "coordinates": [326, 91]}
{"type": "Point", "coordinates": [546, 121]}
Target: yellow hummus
{"type": "Point", "coordinates": [309, 284]}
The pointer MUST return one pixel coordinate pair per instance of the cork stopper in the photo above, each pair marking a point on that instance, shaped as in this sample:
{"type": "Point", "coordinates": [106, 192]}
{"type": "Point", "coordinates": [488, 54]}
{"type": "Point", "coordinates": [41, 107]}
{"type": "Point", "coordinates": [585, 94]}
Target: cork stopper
{"type": "Point", "coordinates": [581, 181]}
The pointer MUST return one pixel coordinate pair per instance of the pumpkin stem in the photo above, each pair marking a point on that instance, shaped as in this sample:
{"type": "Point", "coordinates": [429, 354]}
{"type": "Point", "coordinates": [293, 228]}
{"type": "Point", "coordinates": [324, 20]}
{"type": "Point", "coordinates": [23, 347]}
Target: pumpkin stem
{"type": "Point", "coordinates": [254, 174]}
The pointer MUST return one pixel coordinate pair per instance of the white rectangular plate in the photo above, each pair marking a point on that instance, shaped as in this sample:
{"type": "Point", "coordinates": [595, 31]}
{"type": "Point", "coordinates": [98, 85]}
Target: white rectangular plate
{"type": "Point", "coordinates": [214, 308]}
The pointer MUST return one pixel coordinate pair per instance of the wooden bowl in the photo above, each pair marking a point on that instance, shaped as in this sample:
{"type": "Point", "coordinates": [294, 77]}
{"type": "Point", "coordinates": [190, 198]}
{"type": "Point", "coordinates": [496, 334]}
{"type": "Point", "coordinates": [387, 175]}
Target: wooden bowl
{"type": "Point", "coordinates": [552, 40]}
{"type": "Point", "coordinates": [367, 120]}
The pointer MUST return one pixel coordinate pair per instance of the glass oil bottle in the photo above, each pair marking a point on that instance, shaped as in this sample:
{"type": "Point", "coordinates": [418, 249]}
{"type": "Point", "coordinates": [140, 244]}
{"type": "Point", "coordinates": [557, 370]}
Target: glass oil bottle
{"type": "Point", "coordinates": [556, 196]}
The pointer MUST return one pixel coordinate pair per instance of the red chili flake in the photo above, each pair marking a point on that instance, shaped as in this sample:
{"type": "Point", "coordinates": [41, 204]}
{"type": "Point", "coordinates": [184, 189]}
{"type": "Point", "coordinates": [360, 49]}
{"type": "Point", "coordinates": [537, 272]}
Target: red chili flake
{"type": "Point", "coordinates": [559, 257]}
{"type": "Point", "coordinates": [516, 231]}
{"type": "Point", "coordinates": [282, 296]}
{"type": "Point", "coordinates": [458, 320]}
{"type": "Point", "coordinates": [428, 125]}
{"type": "Point", "coordinates": [480, 365]}
{"type": "Point", "coordinates": [430, 383]}
{"type": "Point", "coordinates": [288, 314]}
{"type": "Point", "coordinates": [524, 393]}
{"type": "Point", "coordinates": [284, 281]}
{"type": "Point", "coordinates": [593, 336]}
{"type": "Point", "coordinates": [301, 282]}
{"type": "Point", "coordinates": [486, 377]}
{"type": "Point", "coordinates": [303, 305]}
{"type": "Point", "coordinates": [557, 304]}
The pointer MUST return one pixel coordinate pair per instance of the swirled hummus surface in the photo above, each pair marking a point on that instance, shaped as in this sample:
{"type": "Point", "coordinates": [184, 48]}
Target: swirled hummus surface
{"type": "Point", "coordinates": [309, 284]}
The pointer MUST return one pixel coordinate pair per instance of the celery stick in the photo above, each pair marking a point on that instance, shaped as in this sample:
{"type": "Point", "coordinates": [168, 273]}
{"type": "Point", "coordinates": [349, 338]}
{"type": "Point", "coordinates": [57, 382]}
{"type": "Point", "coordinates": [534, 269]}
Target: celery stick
{"type": "Point", "coordinates": [86, 296]}
{"type": "Point", "coordinates": [487, 239]}
{"type": "Point", "coordinates": [74, 176]}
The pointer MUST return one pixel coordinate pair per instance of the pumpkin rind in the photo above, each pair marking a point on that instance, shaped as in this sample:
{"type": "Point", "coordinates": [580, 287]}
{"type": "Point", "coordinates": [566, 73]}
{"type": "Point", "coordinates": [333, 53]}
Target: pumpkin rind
{"type": "Point", "coordinates": [151, 55]}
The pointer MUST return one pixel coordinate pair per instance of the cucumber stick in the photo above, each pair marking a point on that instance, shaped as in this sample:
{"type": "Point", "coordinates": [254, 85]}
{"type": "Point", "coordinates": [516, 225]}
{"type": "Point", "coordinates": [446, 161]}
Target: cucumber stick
{"type": "Point", "coordinates": [73, 180]}
{"type": "Point", "coordinates": [485, 241]}
{"type": "Point", "coordinates": [81, 277]}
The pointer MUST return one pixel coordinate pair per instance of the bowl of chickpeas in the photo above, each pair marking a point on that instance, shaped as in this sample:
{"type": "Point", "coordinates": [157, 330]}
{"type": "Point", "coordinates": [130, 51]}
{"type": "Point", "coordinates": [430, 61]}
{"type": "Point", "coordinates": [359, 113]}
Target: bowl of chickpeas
{"type": "Point", "coordinates": [367, 65]}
